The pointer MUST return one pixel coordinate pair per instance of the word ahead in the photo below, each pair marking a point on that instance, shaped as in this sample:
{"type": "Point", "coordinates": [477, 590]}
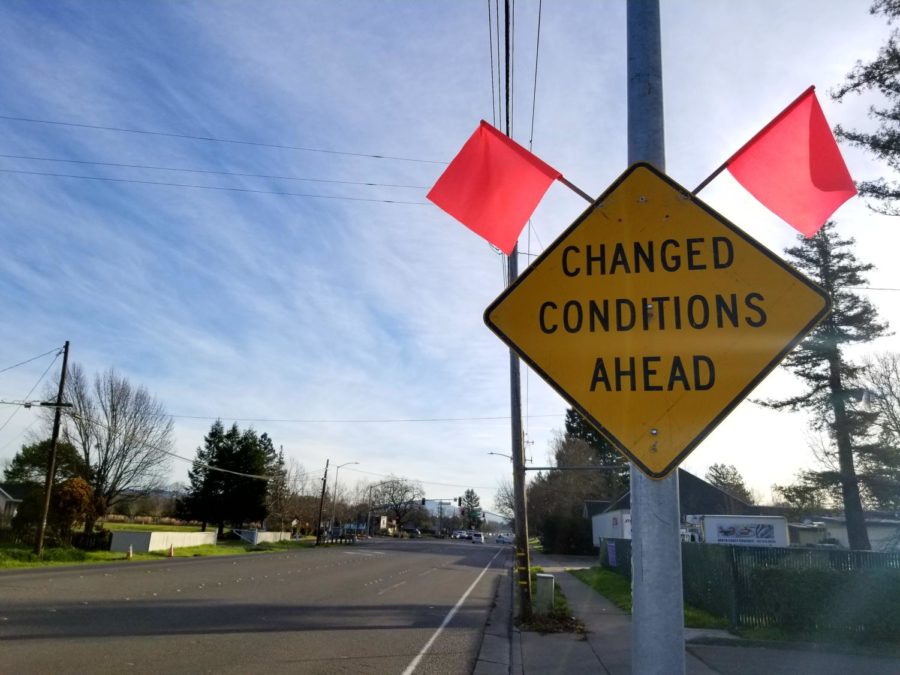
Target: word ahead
{"type": "Point", "coordinates": [655, 317]}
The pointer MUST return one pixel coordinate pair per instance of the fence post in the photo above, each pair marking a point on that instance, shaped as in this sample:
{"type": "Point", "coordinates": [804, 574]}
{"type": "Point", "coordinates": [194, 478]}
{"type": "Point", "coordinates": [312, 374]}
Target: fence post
{"type": "Point", "coordinates": [735, 587]}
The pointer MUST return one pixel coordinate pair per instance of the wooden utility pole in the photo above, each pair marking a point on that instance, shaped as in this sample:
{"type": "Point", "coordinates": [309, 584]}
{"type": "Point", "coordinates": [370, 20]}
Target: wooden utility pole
{"type": "Point", "coordinates": [322, 504]}
{"type": "Point", "coordinates": [51, 462]}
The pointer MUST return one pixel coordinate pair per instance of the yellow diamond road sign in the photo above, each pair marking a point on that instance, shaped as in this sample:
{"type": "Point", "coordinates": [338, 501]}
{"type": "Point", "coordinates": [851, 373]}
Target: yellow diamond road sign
{"type": "Point", "coordinates": [655, 317]}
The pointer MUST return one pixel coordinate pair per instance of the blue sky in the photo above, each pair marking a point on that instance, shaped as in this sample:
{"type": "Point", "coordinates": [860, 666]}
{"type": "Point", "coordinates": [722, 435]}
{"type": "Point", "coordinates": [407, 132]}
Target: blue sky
{"type": "Point", "coordinates": [243, 305]}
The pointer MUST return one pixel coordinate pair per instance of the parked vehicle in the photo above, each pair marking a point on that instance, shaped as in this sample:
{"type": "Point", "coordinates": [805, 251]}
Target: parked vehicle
{"type": "Point", "coordinates": [477, 538]}
{"type": "Point", "coordinates": [505, 539]}
{"type": "Point", "coordinates": [737, 530]}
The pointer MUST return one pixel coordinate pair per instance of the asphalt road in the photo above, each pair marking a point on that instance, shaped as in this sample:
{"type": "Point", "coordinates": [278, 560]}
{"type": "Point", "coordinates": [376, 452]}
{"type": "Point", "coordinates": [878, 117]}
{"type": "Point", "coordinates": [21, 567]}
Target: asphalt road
{"type": "Point", "coordinates": [382, 606]}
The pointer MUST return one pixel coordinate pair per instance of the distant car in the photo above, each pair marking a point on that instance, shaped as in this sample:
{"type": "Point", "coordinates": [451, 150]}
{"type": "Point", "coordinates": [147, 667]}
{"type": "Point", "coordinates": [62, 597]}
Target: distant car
{"type": "Point", "coordinates": [504, 539]}
{"type": "Point", "coordinates": [458, 534]}
{"type": "Point", "coordinates": [477, 538]}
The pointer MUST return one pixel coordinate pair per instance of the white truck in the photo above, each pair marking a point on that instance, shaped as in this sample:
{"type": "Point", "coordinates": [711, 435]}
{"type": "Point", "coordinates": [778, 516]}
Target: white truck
{"type": "Point", "coordinates": [737, 530]}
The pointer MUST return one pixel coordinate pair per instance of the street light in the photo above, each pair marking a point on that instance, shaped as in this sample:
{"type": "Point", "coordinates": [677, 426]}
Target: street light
{"type": "Point", "coordinates": [500, 454]}
{"type": "Point", "coordinates": [334, 500]}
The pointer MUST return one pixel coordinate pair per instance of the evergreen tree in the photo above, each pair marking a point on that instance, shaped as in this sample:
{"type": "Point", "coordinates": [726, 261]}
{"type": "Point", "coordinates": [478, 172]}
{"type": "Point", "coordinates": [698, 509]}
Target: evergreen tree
{"type": "Point", "coordinates": [881, 75]}
{"type": "Point", "coordinates": [471, 506]}
{"type": "Point", "coordinates": [203, 494]}
{"type": "Point", "coordinates": [830, 379]}
{"type": "Point", "coordinates": [227, 480]}
{"type": "Point", "coordinates": [247, 493]}
{"type": "Point", "coordinates": [726, 477]}
{"type": "Point", "coordinates": [30, 464]}
{"type": "Point", "coordinates": [613, 482]}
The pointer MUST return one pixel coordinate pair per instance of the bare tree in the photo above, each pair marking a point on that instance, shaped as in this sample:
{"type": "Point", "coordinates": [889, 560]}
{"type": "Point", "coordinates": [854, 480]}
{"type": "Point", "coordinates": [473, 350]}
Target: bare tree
{"type": "Point", "coordinates": [399, 497]}
{"type": "Point", "coordinates": [881, 382]}
{"type": "Point", "coordinates": [504, 500]}
{"type": "Point", "coordinates": [122, 432]}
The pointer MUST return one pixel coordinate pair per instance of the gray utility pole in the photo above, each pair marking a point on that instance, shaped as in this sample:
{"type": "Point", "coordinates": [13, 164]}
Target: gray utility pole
{"type": "Point", "coordinates": [657, 645]}
{"type": "Point", "coordinates": [322, 504]}
{"type": "Point", "coordinates": [51, 463]}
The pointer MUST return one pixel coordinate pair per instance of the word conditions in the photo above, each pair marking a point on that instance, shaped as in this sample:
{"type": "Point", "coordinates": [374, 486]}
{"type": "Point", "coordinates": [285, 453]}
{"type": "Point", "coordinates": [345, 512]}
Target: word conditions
{"type": "Point", "coordinates": [697, 312]}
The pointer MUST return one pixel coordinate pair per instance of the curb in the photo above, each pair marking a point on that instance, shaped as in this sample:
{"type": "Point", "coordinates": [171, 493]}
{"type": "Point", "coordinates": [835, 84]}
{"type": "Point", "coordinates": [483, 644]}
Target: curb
{"type": "Point", "coordinates": [494, 655]}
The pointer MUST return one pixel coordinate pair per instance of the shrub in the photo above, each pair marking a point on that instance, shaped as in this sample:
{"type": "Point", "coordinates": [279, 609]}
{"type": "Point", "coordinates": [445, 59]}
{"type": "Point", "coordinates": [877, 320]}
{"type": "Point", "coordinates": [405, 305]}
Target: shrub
{"type": "Point", "coordinates": [567, 534]}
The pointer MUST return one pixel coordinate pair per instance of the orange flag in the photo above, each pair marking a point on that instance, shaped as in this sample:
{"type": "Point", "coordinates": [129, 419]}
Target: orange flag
{"type": "Point", "coordinates": [794, 167]}
{"type": "Point", "coordinates": [493, 186]}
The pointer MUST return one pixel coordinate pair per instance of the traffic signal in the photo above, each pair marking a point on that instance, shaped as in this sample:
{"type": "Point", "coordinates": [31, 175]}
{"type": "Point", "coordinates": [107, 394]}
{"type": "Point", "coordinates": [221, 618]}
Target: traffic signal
{"type": "Point", "coordinates": [459, 501]}
{"type": "Point", "coordinates": [423, 501]}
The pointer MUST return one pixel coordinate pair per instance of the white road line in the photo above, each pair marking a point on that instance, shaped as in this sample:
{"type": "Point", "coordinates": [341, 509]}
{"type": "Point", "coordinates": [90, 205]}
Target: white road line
{"type": "Point", "coordinates": [415, 662]}
{"type": "Point", "coordinates": [390, 588]}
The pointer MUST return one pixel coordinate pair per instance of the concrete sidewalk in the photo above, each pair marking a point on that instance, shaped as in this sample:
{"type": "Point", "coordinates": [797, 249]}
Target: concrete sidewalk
{"type": "Point", "coordinates": [606, 646]}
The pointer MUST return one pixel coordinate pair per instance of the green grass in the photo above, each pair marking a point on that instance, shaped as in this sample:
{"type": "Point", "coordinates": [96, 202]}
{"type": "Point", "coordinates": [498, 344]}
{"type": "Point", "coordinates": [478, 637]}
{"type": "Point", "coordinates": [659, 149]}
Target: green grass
{"type": "Point", "coordinates": [559, 620]}
{"type": "Point", "coordinates": [617, 589]}
{"type": "Point", "coordinates": [137, 527]}
{"type": "Point", "coordinates": [20, 556]}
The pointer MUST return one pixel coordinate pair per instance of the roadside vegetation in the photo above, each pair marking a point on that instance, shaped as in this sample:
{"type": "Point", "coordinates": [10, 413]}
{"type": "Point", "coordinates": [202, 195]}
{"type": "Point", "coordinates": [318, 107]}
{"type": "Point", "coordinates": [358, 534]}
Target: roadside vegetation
{"type": "Point", "coordinates": [559, 620]}
{"type": "Point", "coordinates": [21, 556]}
{"type": "Point", "coordinates": [617, 589]}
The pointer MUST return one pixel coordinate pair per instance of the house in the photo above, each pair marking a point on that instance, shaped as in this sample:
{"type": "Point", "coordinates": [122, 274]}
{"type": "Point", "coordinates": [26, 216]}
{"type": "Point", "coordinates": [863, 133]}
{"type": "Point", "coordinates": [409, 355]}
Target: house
{"type": "Point", "coordinates": [594, 506]}
{"type": "Point", "coordinates": [695, 495]}
{"type": "Point", "coordinates": [884, 533]}
{"type": "Point", "coordinates": [11, 495]}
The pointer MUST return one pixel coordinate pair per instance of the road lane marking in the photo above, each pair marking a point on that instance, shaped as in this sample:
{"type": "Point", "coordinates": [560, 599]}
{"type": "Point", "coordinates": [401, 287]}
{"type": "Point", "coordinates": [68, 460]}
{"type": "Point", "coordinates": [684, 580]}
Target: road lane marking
{"type": "Point", "coordinates": [390, 588]}
{"type": "Point", "coordinates": [415, 662]}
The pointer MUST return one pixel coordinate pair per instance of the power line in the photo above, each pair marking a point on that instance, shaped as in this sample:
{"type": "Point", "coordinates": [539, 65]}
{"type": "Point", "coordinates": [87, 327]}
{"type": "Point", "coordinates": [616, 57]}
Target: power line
{"type": "Point", "coordinates": [214, 139]}
{"type": "Point", "coordinates": [491, 50]}
{"type": "Point", "coordinates": [537, 51]}
{"type": "Point", "coordinates": [870, 288]}
{"type": "Point", "coordinates": [211, 187]}
{"type": "Point", "coordinates": [34, 358]}
{"type": "Point", "coordinates": [14, 412]}
{"type": "Point", "coordinates": [210, 171]}
{"type": "Point", "coordinates": [194, 461]}
{"type": "Point", "coordinates": [400, 420]}
{"type": "Point", "coordinates": [426, 482]}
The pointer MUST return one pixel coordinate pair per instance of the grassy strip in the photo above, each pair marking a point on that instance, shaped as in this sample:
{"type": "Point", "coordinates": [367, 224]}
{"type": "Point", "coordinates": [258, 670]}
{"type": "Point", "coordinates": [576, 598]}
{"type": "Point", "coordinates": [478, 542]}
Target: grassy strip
{"type": "Point", "coordinates": [559, 620]}
{"type": "Point", "coordinates": [138, 527]}
{"type": "Point", "coordinates": [23, 557]}
{"type": "Point", "coordinates": [617, 589]}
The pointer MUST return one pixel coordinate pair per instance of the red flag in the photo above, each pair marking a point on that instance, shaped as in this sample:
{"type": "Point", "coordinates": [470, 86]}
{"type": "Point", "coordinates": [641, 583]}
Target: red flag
{"type": "Point", "coordinates": [794, 167]}
{"type": "Point", "coordinates": [493, 186]}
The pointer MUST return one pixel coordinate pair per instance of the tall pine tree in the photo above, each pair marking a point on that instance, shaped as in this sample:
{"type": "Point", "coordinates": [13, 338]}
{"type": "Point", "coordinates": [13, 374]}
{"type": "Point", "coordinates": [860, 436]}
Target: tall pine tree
{"type": "Point", "coordinates": [881, 75]}
{"type": "Point", "coordinates": [615, 481]}
{"type": "Point", "coordinates": [831, 380]}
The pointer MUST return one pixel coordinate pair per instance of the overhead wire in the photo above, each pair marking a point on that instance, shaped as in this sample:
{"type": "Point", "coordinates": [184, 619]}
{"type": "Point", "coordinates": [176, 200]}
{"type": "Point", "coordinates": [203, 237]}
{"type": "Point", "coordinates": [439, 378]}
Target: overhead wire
{"type": "Point", "coordinates": [194, 461]}
{"type": "Point", "coordinates": [402, 420]}
{"type": "Point", "coordinates": [537, 51]}
{"type": "Point", "coordinates": [215, 139]}
{"type": "Point", "coordinates": [491, 52]}
{"type": "Point", "coordinates": [18, 408]}
{"type": "Point", "coordinates": [33, 358]}
{"type": "Point", "coordinates": [425, 482]}
{"type": "Point", "coordinates": [212, 187]}
{"type": "Point", "coordinates": [238, 174]}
